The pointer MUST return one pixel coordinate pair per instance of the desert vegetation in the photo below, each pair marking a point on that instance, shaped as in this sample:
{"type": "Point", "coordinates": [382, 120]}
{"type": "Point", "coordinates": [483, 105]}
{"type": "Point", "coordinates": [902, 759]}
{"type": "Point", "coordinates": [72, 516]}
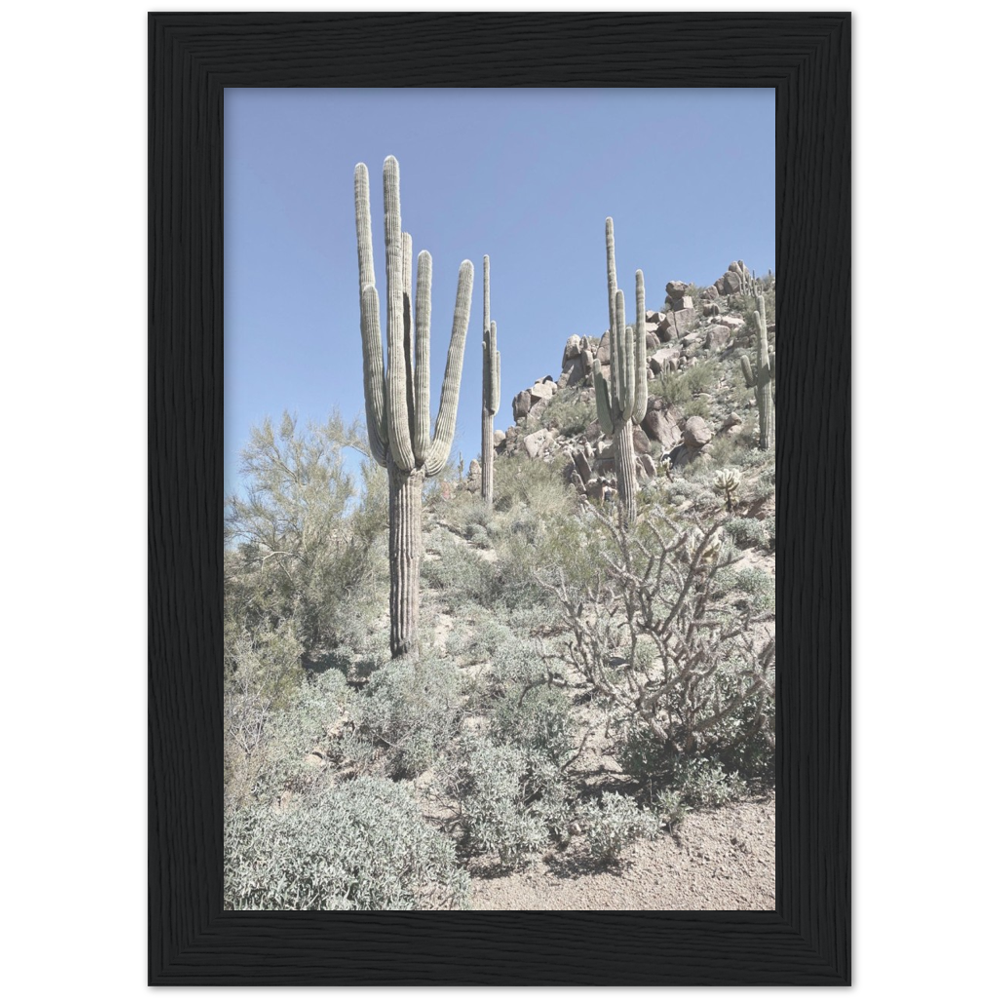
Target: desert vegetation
{"type": "Point", "coordinates": [593, 662]}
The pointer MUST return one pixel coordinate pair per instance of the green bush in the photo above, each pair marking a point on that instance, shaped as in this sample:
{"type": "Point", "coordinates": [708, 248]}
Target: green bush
{"type": "Point", "coordinates": [513, 800]}
{"type": "Point", "coordinates": [361, 846]}
{"type": "Point", "coordinates": [405, 717]}
{"type": "Point", "coordinates": [536, 718]}
{"type": "Point", "coordinates": [747, 531]}
{"type": "Point", "coordinates": [614, 824]}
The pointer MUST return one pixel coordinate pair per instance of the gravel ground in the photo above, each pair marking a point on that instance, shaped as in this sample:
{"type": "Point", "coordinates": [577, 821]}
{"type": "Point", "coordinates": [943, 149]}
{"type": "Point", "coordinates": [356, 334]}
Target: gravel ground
{"type": "Point", "coordinates": [720, 860]}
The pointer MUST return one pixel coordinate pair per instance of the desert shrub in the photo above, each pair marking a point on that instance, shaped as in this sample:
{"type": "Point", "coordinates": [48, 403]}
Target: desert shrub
{"type": "Point", "coordinates": [406, 715]}
{"type": "Point", "coordinates": [535, 719]}
{"type": "Point", "coordinates": [704, 783]}
{"type": "Point", "coordinates": [699, 406]}
{"type": "Point", "coordinates": [522, 482]}
{"type": "Point", "coordinates": [513, 800]}
{"type": "Point", "coordinates": [614, 823]}
{"type": "Point", "coordinates": [460, 573]}
{"type": "Point", "coordinates": [296, 549]}
{"type": "Point", "coordinates": [656, 636]}
{"type": "Point", "coordinates": [275, 713]}
{"type": "Point", "coordinates": [566, 412]}
{"type": "Point", "coordinates": [747, 531]}
{"type": "Point", "coordinates": [361, 846]}
{"type": "Point", "coordinates": [669, 807]}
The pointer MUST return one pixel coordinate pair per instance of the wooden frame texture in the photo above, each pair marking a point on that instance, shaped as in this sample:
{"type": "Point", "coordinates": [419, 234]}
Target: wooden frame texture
{"type": "Point", "coordinates": [192, 58]}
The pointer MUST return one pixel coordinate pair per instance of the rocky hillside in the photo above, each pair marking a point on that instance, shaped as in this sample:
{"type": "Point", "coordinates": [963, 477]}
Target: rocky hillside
{"type": "Point", "coordinates": [699, 407]}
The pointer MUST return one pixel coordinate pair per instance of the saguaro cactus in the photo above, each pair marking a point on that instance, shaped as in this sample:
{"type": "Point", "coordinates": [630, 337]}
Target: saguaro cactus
{"type": "Point", "coordinates": [491, 386]}
{"type": "Point", "coordinates": [397, 396]}
{"type": "Point", "coordinates": [622, 398]}
{"type": "Point", "coordinates": [761, 380]}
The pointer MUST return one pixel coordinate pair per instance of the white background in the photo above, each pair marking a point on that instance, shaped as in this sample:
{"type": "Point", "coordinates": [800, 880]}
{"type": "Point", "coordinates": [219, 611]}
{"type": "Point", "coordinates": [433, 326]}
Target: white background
{"type": "Point", "coordinates": [926, 326]}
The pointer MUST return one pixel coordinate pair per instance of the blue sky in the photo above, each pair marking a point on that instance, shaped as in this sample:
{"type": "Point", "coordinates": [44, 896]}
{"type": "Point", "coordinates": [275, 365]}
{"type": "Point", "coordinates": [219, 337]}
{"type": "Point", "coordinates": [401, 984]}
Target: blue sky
{"type": "Point", "coordinates": [526, 176]}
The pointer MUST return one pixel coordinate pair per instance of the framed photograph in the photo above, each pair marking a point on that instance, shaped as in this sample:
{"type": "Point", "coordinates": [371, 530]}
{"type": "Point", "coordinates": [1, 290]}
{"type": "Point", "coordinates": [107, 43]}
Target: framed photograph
{"type": "Point", "coordinates": [193, 59]}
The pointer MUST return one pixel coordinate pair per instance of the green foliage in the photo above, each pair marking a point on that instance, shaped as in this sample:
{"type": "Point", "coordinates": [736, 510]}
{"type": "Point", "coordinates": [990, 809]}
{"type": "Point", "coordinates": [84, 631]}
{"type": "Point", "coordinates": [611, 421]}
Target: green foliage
{"type": "Point", "coordinates": [614, 824]}
{"type": "Point", "coordinates": [513, 800]}
{"type": "Point", "coordinates": [361, 846]}
{"type": "Point", "coordinates": [296, 549]}
{"type": "Point", "coordinates": [406, 715]}
{"type": "Point", "coordinates": [567, 412]}
{"type": "Point", "coordinates": [535, 719]}
{"type": "Point", "coordinates": [748, 531]}
{"type": "Point", "coordinates": [263, 690]}
{"type": "Point", "coordinates": [525, 483]}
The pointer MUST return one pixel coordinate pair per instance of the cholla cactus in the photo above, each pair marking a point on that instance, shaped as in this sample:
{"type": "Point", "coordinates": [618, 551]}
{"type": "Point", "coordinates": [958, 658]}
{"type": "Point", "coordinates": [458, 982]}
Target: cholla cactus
{"type": "Point", "coordinates": [762, 379]}
{"type": "Point", "coordinates": [491, 386]}
{"type": "Point", "coordinates": [621, 398]}
{"type": "Point", "coordinates": [397, 396]}
{"type": "Point", "coordinates": [727, 482]}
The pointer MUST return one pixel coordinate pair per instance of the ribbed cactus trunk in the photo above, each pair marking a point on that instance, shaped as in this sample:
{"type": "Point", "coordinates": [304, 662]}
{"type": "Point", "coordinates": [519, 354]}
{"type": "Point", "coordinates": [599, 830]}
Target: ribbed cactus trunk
{"type": "Point", "coordinates": [405, 550]}
{"type": "Point", "coordinates": [491, 386]}
{"type": "Point", "coordinates": [624, 461]}
{"type": "Point", "coordinates": [397, 393]}
{"type": "Point", "coordinates": [622, 398]}
{"type": "Point", "coordinates": [761, 380]}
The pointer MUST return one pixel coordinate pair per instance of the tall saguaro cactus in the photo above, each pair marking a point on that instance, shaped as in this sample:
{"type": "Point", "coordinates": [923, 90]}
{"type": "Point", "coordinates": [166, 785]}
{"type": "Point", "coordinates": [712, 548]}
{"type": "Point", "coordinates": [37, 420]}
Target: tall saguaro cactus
{"type": "Point", "coordinates": [621, 400]}
{"type": "Point", "coordinates": [761, 380]}
{"type": "Point", "coordinates": [491, 386]}
{"type": "Point", "coordinates": [397, 395]}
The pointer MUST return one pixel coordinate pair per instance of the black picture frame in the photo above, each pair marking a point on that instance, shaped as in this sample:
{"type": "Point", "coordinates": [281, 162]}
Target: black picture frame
{"type": "Point", "coordinates": [806, 59]}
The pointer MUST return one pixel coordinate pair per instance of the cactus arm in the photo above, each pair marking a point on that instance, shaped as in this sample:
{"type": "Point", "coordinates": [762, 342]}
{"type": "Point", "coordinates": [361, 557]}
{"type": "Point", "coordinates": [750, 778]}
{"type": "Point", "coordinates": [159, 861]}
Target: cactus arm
{"type": "Point", "coordinates": [492, 398]}
{"type": "Point", "coordinates": [371, 334]}
{"type": "Point", "coordinates": [398, 410]}
{"type": "Point", "coordinates": [408, 329]}
{"type": "Point", "coordinates": [609, 248]}
{"type": "Point", "coordinates": [422, 361]}
{"type": "Point", "coordinates": [486, 296]}
{"type": "Point", "coordinates": [603, 400]}
{"type": "Point", "coordinates": [371, 343]}
{"type": "Point", "coordinates": [641, 387]}
{"type": "Point", "coordinates": [628, 403]}
{"type": "Point", "coordinates": [496, 376]}
{"type": "Point", "coordinates": [748, 372]}
{"type": "Point", "coordinates": [444, 426]}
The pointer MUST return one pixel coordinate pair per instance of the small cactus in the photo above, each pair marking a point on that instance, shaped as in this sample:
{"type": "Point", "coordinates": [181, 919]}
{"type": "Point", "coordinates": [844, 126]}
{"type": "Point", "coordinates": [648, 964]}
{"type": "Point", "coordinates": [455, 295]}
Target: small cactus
{"type": "Point", "coordinates": [727, 482]}
{"type": "Point", "coordinates": [397, 396]}
{"type": "Point", "coordinates": [622, 396]}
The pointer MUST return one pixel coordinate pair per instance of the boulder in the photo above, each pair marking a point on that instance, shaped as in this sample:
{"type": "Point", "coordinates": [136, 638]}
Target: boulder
{"type": "Point", "coordinates": [654, 317]}
{"type": "Point", "coordinates": [731, 283]}
{"type": "Point", "coordinates": [646, 467]}
{"type": "Point", "coordinates": [661, 426]}
{"type": "Point", "coordinates": [733, 322]}
{"type": "Point", "coordinates": [522, 404]}
{"type": "Point", "coordinates": [543, 389]}
{"type": "Point", "coordinates": [604, 350]}
{"type": "Point", "coordinates": [675, 289]}
{"type": "Point", "coordinates": [660, 360]}
{"type": "Point", "coordinates": [499, 437]}
{"type": "Point", "coordinates": [717, 337]}
{"type": "Point", "coordinates": [685, 302]}
{"type": "Point", "coordinates": [572, 349]}
{"type": "Point", "coordinates": [677, 323]}
{"type": "Point", "coordinates": [720, 286]}
{"type": "Point", "coordinates": [710, 309]}
{"type": "Point", "coordinates": [582, 465]}
{"type": "Point", "coordinates": [696, 433]}
{"type": "Point", "coordinates": [639, 441]}
{"type": "Point", "coordinates": [593, 431]}
{"type": "Point", "coordinates": [732, 423]}
{"type": "Point", "coordinates": [574, 371]}
{"type": "Point", "coordinates": [652, 341]}
{"type": "Point", "coordinates": [711, 293]}
{"type": "Point", "coordinates": [535, 443]}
